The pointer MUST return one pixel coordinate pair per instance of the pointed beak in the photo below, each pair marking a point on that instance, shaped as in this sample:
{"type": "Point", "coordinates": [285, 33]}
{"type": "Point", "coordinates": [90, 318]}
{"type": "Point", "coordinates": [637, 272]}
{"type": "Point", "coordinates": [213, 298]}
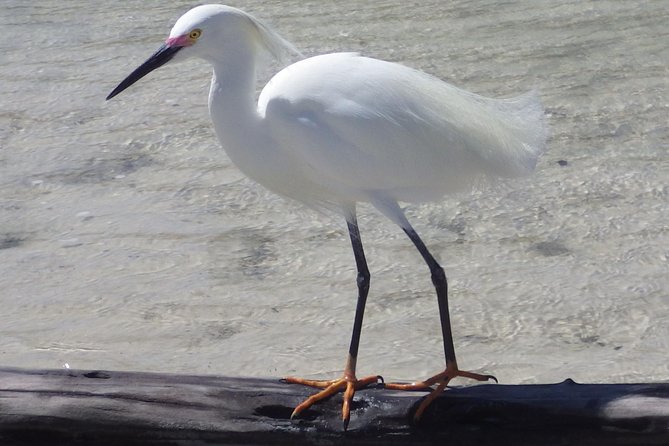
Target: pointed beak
{"type": "Point", "coordinates": [157, 60]}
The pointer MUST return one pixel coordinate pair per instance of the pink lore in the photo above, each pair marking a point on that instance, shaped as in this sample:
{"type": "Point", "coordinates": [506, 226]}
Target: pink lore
{"type": "Point", "coordinates": [179, 41]}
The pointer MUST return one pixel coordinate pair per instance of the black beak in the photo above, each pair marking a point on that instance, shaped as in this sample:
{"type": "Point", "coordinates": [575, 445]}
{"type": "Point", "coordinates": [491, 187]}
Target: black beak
{"type": "Point", "coordinates": [157, 60]}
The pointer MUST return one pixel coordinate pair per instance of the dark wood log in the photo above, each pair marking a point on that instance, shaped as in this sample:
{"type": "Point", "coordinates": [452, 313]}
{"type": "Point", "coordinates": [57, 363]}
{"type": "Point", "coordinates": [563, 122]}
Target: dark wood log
{"type": "Point", "coordinates": [50, 407]}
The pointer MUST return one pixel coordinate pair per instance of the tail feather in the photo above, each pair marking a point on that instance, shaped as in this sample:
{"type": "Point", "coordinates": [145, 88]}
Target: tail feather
{"type": "Point", "coordinates": [521, 132]}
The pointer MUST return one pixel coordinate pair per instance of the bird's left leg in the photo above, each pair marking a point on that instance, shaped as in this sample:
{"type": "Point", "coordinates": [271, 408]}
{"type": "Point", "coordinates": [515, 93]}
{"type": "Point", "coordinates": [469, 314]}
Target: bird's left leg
{"type": "Point", "coordinates": [441, 379]}
{"type": "Point", "coordinates": [348, 383]}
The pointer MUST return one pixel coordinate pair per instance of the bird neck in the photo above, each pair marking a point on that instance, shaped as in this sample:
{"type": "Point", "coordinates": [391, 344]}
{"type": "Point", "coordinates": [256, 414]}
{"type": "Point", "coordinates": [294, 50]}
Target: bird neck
{"type": "Point", "coordinates": [233, 109]}
{"type": "Point", "coordinates": [232, 103]}
{"type": "Point", "coordinates": [232, 94]}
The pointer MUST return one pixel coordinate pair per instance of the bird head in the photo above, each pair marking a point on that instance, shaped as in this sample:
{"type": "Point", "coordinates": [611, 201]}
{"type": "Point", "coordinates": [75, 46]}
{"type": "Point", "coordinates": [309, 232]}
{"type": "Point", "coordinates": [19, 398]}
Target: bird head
{"type": "Point", "coordinates": [205, 32]}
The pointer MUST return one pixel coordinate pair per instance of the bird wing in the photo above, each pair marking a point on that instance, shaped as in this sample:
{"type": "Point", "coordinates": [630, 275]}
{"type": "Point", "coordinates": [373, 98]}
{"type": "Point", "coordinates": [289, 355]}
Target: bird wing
{"type": "Point", "coordinates": [361, 124]}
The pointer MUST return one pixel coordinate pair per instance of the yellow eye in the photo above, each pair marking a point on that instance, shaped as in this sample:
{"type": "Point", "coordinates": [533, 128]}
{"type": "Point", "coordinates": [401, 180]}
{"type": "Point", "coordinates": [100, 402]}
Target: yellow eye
{"type": "Point", "coordinates": [195, 34]}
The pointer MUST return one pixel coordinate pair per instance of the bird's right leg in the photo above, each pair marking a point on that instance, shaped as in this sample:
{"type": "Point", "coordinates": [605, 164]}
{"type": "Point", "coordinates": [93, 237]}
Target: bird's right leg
{"type": "Point", "coordinates": [349, 383]}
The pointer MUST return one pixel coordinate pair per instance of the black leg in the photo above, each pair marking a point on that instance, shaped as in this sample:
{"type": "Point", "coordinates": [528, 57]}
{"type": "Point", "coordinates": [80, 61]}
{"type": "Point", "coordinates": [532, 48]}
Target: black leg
{"type": "Point", "coordinates": [440, 284]}
{"type": "Point", "coordinates": [349, 383]}
{"type": "Point", "coordinates": [363, 289]}
{"type": "Point", "coordinates": [391, 209]}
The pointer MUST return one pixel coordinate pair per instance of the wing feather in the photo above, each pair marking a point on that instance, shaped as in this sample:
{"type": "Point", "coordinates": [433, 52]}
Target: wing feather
{"type": "Point", "coordinates": [364, 124]}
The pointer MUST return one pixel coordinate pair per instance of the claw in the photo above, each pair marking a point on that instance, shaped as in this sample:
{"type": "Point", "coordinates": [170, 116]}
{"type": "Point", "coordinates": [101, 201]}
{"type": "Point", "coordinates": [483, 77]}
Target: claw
{"type": "Point", "coordinates": [428, 400]}
{"type": "Point", "coordinates": [441, 379]}
{"type": "Point", "coordinates": [348, 384]}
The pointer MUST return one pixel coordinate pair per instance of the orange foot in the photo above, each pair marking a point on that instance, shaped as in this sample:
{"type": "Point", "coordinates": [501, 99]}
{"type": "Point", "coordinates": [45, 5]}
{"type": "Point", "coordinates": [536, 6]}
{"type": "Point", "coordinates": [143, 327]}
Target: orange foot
{"type": "Point", "coordinates": [349, 384]}
{"type": "Point", "coordinates": [442, 379]}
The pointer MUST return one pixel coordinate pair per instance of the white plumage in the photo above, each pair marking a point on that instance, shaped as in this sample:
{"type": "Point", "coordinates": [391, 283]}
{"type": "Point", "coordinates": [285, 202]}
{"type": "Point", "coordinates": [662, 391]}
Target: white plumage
{"type": "Point", "coordinates": [369, 129]}
{"type": "Point", "coordinates": [338, 129]}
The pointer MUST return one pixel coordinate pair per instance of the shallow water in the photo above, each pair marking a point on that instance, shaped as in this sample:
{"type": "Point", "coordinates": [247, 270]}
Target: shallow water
{"type": "Point", "coordinates": [129, 241]}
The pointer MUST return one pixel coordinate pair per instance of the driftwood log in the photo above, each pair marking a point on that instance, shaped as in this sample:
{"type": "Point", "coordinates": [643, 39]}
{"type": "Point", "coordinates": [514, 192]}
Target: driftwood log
{"type": "Point", "coordinates": [70, 407]}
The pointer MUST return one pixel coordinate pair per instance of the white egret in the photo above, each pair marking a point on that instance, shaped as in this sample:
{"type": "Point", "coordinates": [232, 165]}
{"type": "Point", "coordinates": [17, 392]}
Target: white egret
{"type": "Point", "coordinates": [338, 129]}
